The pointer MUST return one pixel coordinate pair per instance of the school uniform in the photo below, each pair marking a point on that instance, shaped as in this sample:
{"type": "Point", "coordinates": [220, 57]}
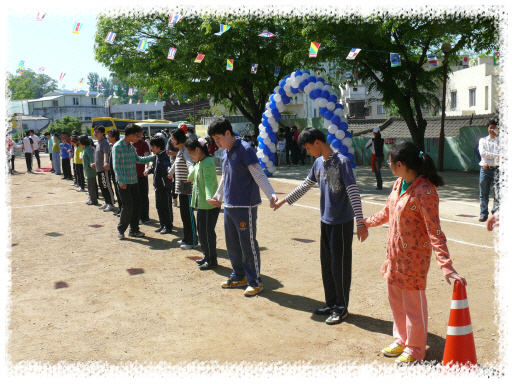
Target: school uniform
{"type": "Point", "coordinates": [163, 189]}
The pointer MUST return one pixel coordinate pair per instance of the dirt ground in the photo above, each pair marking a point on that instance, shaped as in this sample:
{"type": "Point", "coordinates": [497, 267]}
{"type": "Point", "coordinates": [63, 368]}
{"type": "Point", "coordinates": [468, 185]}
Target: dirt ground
{"type": "Point", "coordinates": [173, 312]}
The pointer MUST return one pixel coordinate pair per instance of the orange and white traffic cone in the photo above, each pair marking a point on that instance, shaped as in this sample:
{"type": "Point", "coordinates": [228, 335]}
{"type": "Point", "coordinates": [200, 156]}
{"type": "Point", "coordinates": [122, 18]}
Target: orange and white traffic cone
{"type": "Point", "coordinates": [460, 344]}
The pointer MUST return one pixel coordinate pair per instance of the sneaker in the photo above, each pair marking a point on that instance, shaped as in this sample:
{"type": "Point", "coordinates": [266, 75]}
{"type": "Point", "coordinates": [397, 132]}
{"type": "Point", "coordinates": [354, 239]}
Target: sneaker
{"type": "Point", "coordinates": [206, 266]}
{"type": "Point", "coordinates": [103, 206]}
{"type": "Point", "coordinates": [91, 203]}
{"type": "Point", "coordinates": [159, 229]}
{"type": "Point", "coordinates": [108, 208]}
{"type": "Point", "coordinates": [482, 218]}
{"type": "Point", "coordinates": [79, 189]}
{"type": "Point", "coordinates": [252, 291]}
{"type": "Point", "coordinates": [120, 235]}
{"type": "Point", "coordinates": [201, 261]}
{"type": "Point", "coordinates": [393, 350]}
{"type": "Point", "coordinates": [323, 311]}
{"type": "Point", "coordinates": [115, 211]}
{"type": "Point", "coordinates": [166, 231]}
{"type": "Point", "coordinates": [73, 185]}
{"type": "Point", "coordinates": [186, 246]}
{"type": "Point", "coordinates": [234, 283]}
{"type": "Point", "coordinates": [137, 234]}
{"type": "Point", "coordinates": [405, 359]}
{"type": "Point", "coordinates": [336, 317]}
{"type": "Point", "coordinates": [180, 242]}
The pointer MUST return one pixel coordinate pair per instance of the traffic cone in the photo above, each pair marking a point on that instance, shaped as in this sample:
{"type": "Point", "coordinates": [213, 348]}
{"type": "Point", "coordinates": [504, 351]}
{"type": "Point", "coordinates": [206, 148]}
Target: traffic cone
{"type": "Point", "coordinates": [460, 344]}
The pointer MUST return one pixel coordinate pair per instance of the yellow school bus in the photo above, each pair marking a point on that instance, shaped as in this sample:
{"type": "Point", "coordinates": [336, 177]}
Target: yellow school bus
{"type": "Point", "coordinates": [119, 124]}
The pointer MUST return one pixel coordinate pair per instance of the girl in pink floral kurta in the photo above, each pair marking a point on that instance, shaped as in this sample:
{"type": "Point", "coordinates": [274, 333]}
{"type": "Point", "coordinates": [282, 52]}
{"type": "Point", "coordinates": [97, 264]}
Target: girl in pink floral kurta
{"type": "Point", "coordinates": [412, 211]}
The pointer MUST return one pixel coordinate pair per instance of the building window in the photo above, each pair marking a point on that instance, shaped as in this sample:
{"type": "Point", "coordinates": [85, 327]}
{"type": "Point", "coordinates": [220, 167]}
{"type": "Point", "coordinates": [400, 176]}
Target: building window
{"type": "Point", "coordinates": [453, 101]}
{"type": "Point", "coordinates": [138, 115]}
{"type": "Point", "coordinates": [75, 100]}
{"type": "Point", "coordinates": [472, 97]}
{"type": "Point", "coordinates": [93, 101]}
{"type": "Point", "coordinates": [154, 115]}
{"type": "Point", "coordinates": [55, 103]}
{"type": "Point", "coordinates": [381, 110]}
{"type": "Point", "coordinates": [354, 89]}
{"type": "Point", "coordinates": [146, 115]}
{"type": "Point", "coordinates": [118, 115]}
{"type": "Point", "coordinates": [87, 118]}
{"type": "Point", "coordinates": [128, 115]}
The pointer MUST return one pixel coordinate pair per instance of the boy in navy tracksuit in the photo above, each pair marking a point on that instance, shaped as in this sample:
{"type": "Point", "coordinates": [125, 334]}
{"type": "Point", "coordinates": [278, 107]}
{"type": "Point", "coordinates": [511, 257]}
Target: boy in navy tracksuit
{"type": "Point", "coordinates": [163, 185]}
{"type": "Point", "coordinates": [242, 177]}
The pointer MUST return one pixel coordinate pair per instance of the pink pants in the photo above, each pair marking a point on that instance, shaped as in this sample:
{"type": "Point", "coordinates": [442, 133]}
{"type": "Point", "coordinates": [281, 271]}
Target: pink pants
{"type": "Point", "coordinates": [410, 317]}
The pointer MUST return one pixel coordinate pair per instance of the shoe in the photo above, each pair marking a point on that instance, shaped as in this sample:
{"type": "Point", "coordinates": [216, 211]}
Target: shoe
{"type": "Point", "coordinates": [378, 189]}
{"type": "Point", "coordinates": [482, 218]}
{"type": "Point", "coordinates": [405, 359]}
{"type": "Point", "coordinates": [201, 261]}
{"type": "Point", "coordinates": [73, 185]}
{"type": "Point", "coordinates": [120, 235]}
{"type": "Point", "coordinates": [117, 214]}
{"type": "Point", "coordinates": [336, 317]}
{"type": "Point", "coordinates": [91, 203]}
{"type": "Point", "coordinates": [137, 234]}
{"type": "Point", "coordinates": [206, 266]}
{"type": "Point", "coordinates": [180, 242]}
{"type": "Point", "coordinates": [62, 178]}
{"type": "Point", "coordinates": [186, 246]}
{"type": "Point", "coordinates": [115, 210]}
{"type": "Point", "coordinates": [108, 208]}
{"type": "Point", "coordinates": [103, 206]}
{"type": "Point", "coordinates": [52, 171]}
{"type": "Point", "coordinates": [323, 311]}
{"type": "Point", "coordinates": [252, 291]}
{"type": "Point", "coordinates": [159, 229]}
{"type": "Point", "coordinates": [79, 189]}
{"type": "Point", "coordinates": [393, 350]}
{"type": "Point", "coordinates": [166, 230]}
{"type": "Point", "coordinates": [235, 283]}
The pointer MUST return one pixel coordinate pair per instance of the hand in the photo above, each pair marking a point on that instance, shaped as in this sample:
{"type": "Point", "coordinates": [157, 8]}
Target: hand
{"type": "Point", "coordinates": [455, 276]}
{"type": "Point", "coordinates": [106, 167]}
{"type": "Point", "coordinates": [362, 233]}
{"type": "Point", "coordinates": [278, 204]}
{"type": "Point", "coordinates": [366, 222]}
{"type": "Point", "coordinates": [169, 176]}
{"type": "Point", "coordinates": [93, 166]}
{"type": "Point", "coordinates": [485, 166]}
{"type": "Point", "coordinates": [273, 201]}
{"type": "Point", "coordinates": [213, 201]}
{"type": "Point", "coordinates": [122, 186]}
{"type": "Point", "coordinates": [146, 172]}
{"type": "Point", "coordinates": [493, 222]}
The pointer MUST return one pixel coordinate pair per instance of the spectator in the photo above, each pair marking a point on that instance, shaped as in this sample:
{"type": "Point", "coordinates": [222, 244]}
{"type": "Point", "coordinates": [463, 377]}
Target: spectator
{"type": "Point", "coordinates": [79, 166]}
{"type": "Point", "coordinates": [288, 136]}
{"type": "Point", "coordinates": [113, 137]}
{"type": "Point", "coordinates": [191, 134]}
{"type": "Point", "coordinates": [28, 147]}
{"type": "Point", "coordinates": [377, 144]}
{"type": "Point", "coordinates": [212, 146]}
{"type": "Point", "coordinates": [10, 144]}
{"type": "Point", "coordinates": [489, 171]}
{"type": "Point", "coordinates": [56, 154]}
{"type": "Point", "coordinates": [37, 146]}
{"type": "Point", "coordinates": [280, 148]}
{"type": "Point", "coordinates": [103, 169]}
{"type": "Point", "coordinates": [142, 149]}
{"type": "Point", "coordinates": [297, 148]}
{"type": "Point", "coordinates": [49, 147]}
{"type": "Point", "coordinates": [65, 150]}
{"type": "Point", "coordinates": [90, 172]}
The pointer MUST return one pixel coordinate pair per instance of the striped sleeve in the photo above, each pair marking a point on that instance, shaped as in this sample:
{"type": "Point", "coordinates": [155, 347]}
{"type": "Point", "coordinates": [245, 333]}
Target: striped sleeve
{"type": "Point", "coordinates": [300, 191]}
{"type": "Point", "coordinates": [355, 200]}
{"type": "Point", "coordinates": [262, 180]}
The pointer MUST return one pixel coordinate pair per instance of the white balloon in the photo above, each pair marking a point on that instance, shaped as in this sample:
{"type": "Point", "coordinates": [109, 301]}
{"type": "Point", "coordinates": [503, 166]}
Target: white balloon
{"type": "Point", "coordinates": [292, 76]}
{"type": "Point", "coordinates": [322, 103]}
{"type": "Point", "coordinates": [319, 85]}
{"type": "Point", "coordinates": [268, 113]}
{"type": "Point", "coordinates": [271, 120]}
{"type": "Point", "coordinates": [269, 163]}
{"type": "Point", "coordinates": [327, 87]}
{"type": "Point", "coordinates": [275, 129]}
{"type": "Point", "coordinates": [351, 150]}
{"type": "Point", "coordinates": [343, 118]}
{"type": "Point", "coordinates": [327, 123]}
{"type": "Point", "coordinates": [339, 112]}
{"type": "Point", "coordinates": [267, 140]}
{"type": "Point", "coordinates": [330, 106]}
{"type": "Point", "coordinates": [261, 127]}
{"type": "Point", "coordinates": [264, 159]}
{"type": "Point", "coordinates": [272, 147]}
{"type": "Point", "coordinates": [347, 141]}
{"type": "Point", "coordinates": [317, 101]}
{"type": "Point", "coordinates": [295, 84]}
{"type": "Point", "coordinates": [290, 93]}
{"type": "Point", "coordinates": [277, 98]}
{"type": "Point", "coordinates": [267, 105]}
{"type": "Point", "coordinates": [263, 134]}
{"type": "Point", "coordinates": [272, 169]}
{"type": "Point", "coordinates": [260, 153]}
{"type": "Point", "coordinates": [340, 134]}
{"type": "Point", "coordinates": [276, 90]}
{"type": "Point", "coordinates": [287, 87]}
{"type": "Point", "coordinates": [333, 148]}
{"type": "Point", "coordinates": [274, 124]}
{"type": "Point", "coordinates": [288, 81]}
{"type": "Point", "coordinates": [332, 129]}
{"type": "Point", "coordinates": [280, 107]}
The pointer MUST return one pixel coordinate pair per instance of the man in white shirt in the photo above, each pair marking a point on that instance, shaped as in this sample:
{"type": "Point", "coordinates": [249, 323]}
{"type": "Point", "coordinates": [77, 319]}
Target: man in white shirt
{"type": "Point", "coordinates": [37, 146]}
{"type": "Point", "coordinates": [28, 148]}
{"type": "Point", "coordinates": [489, 172]}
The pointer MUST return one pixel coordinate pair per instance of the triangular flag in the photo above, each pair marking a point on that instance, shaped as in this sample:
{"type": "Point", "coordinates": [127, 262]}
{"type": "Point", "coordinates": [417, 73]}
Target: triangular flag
{"type": "Point", "coordinates": [130, 92]}
{"type": "Point", "coordinates": [144, 90]}
{"type": "Point", "coordinates": [21, 65]}
{"type": "Point", "coordinates": [229, 65]}
{"type": "Point", "coordinates": [254, 69]}
{"type": "Point", "coordinates": [40, 17]}
{"type": "Point", "coordinates": [353, 53]}
{"type": "Point", "coordinates": [338, 75]}
{"type": "Point", "coordinates": [223, 28]}
{"type": "Point", "coordinates": [199, 58]}
{"type": "Point", "coordinates": [276, 71]}
{"type": "Point", "coordinates": [146, 101]}
{"type": "Point", "coordinates": [432, 60]}
{"type": "Point", "coordinates": [110, 37]}
{"type": "Point", "coordinates": [78, 27]}
{"type": "Point", "coordinates": [87, 94]}
{"type": "Point", "coordinates": [143, 44]}
{"type": "Point", "coordinates": [98, 95]}
{"type": "Point", "coordinates": [313, 49]}
{"type": "Point", "coordinates": [138, 101]}
{"type": "Point", "coordinates": [266, 33]}
{"type": "Point", "coordinates": [156, 102]}
{"type": "Point", "coordinates": [98, 84]}
{"type": "Point", "coordinates": [62, 76]}
{"type": "Point", "coordinates": [175, 17]}
{"type": "Point", "coordinates": [109, 97]}
{"type": "Point", "coordinates": [42, 69]}
{"type": "Point", "coordinates": [75, 90]}
{"type": "Point", "coordinates": [81, 81]}
{"type": "Point", "coordinates": [159, 95]}
{"type": "Point", "coordinates": [62, 88]}
{"type": "Point", "coordinates": [172, 53]}
{"type": "Point", "coordinates": [130, 101]}
{"type": "Point", "coordinates": [395, 59]}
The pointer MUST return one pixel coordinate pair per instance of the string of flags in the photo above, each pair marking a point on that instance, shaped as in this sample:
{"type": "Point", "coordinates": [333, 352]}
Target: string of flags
{"type": "Point", "coordinates": [353, 53]}
{"type": "Point", "coordinates": [266, 33]}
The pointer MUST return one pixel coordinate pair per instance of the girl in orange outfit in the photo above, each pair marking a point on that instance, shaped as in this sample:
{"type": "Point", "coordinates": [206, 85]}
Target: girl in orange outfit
{"type": "Point", "coordinates": [412, 211]}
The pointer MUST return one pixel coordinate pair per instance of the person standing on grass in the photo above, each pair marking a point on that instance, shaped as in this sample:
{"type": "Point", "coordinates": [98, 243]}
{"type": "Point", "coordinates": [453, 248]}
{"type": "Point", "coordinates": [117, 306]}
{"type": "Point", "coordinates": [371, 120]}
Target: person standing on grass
{"type": "Point", "coordinates": [242, 178]}
{"type": "Point", "coordinates": [125, 159]}
{"type": "Point", "coordinates": [90, 172]}
{"type": "Point", "coordinates": [340, 202]}
{"type": "Point", "coordinates": [113, 137]}
{"type": "Point", "coordinates": [377, 144]}
{"type": "Point", "coordinates": [412, 212]}
{"type": "Point", "coordinates": [103, 169]}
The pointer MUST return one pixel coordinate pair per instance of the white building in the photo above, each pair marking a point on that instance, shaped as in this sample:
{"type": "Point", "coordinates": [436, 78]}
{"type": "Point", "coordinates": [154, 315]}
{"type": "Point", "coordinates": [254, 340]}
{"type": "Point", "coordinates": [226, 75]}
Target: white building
{"type": "Point", "coordinates": [142, 111]}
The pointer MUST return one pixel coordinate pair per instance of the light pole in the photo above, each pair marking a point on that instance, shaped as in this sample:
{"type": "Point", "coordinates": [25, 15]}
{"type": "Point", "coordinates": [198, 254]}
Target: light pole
{"type": "Point", "coordinates": [446, 47]}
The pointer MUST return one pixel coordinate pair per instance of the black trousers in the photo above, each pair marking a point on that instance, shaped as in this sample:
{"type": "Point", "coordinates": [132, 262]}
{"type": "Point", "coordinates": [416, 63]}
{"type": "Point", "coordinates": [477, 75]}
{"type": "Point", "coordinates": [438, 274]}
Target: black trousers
{"type": "Point", "coordinates": [66, 169]}
{"type": "Point", "coordinates": [28, 160]}
{"type": "Point", "coordinates": [106, 187]}
{"type": "Point", "coordinates": [79, 175]}
{"type": "Point", "coordinates": [130, 213]}
{"type": "Point", "coordinates": [12, 162]}
{"type": "Point", "coordinates": [75, 176]}
{"type": "Point", "coordinates": [51, 161]}
{"type": "Point", "coordinates": [36, 154]}
{"type": "Point", "coordinates": [144, 197]}
{"type": "Point", "coordinates": [116, 188]}
{"type": "Point", "coordinates": [336, 262]}
{"type": "Point", "coordinates": [163, 202]}
{"type": "Point", "coordinates": [206, 222]}
{"type": "Point", "coordinates": [187, 217]}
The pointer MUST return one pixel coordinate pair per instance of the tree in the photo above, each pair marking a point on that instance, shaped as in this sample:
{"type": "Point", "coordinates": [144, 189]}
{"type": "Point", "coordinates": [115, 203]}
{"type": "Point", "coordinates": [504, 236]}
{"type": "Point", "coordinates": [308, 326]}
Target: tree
{"type": "Point", "coordinates": [67, 124]}
{"type": "Point", "coordinates": [92, 81]}
{"type": "Point", "coordinates": [29, 85]}
{"type": "Point", "coordinates": [413, 85]}
{"type": "Point", "coordinates": [237, 89]}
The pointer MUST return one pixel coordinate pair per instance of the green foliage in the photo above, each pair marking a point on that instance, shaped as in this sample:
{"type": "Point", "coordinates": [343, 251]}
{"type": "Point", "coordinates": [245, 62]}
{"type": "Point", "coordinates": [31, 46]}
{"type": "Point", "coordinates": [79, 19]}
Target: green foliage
{"type": "Point", "coordinates": [29, 85]}
{"type": "Point", "coordinates": [68, 124]}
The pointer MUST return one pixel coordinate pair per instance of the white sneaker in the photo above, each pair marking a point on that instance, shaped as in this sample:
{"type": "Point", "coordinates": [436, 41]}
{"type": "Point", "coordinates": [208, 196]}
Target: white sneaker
{"type": "Point", "coordinates": [108, 208]}
{"type": "Point", "coordinates": [103, 206]}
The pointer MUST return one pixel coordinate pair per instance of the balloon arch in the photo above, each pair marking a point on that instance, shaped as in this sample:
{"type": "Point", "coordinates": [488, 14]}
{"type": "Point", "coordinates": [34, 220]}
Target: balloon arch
{"type": "Point", "coordinates": [334, 120]}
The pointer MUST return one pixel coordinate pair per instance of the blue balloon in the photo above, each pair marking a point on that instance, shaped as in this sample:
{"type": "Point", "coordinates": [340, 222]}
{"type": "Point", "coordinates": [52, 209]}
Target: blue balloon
{"type": "Point", "coordinates": [343, 126]}
{"type": "Point", "coordinates": [269, 130]}
{"type": "Point", "coordinates": [260, 139]}
{"type": "Point", "coordinates": [261, 145]}
{"type": "Point", "coordinates": [350, 157]}
{"type": "Point", "coordinates": [331, 137]}
{"type": "Point", "coordinates": [294, 90]}
{"type": "Point", "coordinates": [336, 120]}
{"type": "Point", "coordinates": [264, 117]}
{"type": "Point", "coordinates": [325, 94]}
{"type": "Point", "coordinates": [285, 99]}
{"type": "Point", "coordinates": [332, 99]}
{"type": "Point", "coordinates": [312, 95]}
{"type": "Point", "coordinates": [282, 92]}
{"type": "Point", "coordinates": [272, 97]}
{"type": "Point", "coordinates": [353, 164]}
{"type": "Point", "coordinates": [338, 106]}
{"type": "Point", "coordinates": [272, 136]}
{"type": "Point", "coordinates": [336, 143]}
{"type": "Point", "coordinates": [343, 150]}
{"type": "Point", "coordinates": [282, 83]}
{"type": "Point", "coordinates": [298, 73]}
{"type": "Point", "coordinates": [302, 85]}
{"type": "Point", "coordinates": [266, 151]}
{"type": "Point", "coordinates": [275, 111]}
{"type": "Point", "coordinates": [286, 77]}
{"type": "Point", "coordinates": [318, 93]}
{"type": "Point", "coordinates": [323, 110]}
{"type": "Point", "coordinates": [320, 80]}
{"type": "Point", "coordinates": [267, 173]}
{"type": "Point", "coordinates": [265, 123]}
{"type": "Point", "coordinates": [272, 105]}
{"type": "Point", "coordinates": [328, 115]}
{"type": "Point", "coordinates": [306, 72]}
{"type": "Point", "coordinates": [348, 134]}
{"type": "Point", "coordinates": [272, 157]}
{"type": "Point", "coordinates": [312, 79]}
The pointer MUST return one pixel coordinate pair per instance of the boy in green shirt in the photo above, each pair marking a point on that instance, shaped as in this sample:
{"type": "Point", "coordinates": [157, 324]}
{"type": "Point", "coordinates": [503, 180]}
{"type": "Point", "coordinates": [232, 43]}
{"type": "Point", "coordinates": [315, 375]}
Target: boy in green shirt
{"type": "Point", "coordinates": [56, 154]}
{"type": "Point", "coordinates": [90, 173]}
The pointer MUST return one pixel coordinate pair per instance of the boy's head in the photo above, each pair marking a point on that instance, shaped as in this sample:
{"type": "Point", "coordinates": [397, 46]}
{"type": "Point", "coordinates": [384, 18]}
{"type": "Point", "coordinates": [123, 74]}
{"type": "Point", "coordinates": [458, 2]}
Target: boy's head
{"type": "Point", "coordinates": [133, 132]}
{"type": "Point", "coordinates": [99, 132]}
{"type": "Point", "coordinates": [46, 135]}
{"type": "Point", "coordinates": [281, 137]}
{"type": "Point", "coordinates": [84, 141]}
{"type": "Point", "coordinates": [157, 144]}
{"type": "Point", "coordinates": [113, 135]}
{"type": "Point", "coordinates": [74, 140]}
{"type": "Point", "coordinates": [221, 131]}
{"type": "Point", "coordinates": [294, 128]}
{"type": "Point", "coordinates": [31, 132]}
{"type": "Point", "coordinates": [56, 136]}
{"type": "Point", "coordinates": [27, 134]}
{"type": "Point", "coordinates": [313, 140]}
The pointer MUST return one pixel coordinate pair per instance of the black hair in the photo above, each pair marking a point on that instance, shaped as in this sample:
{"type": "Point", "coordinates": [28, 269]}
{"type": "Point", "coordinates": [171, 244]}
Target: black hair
{"type": "Point", "coordinates": [47, 133]}
{"type": "Point", "coordinates": [114, 133]}
{"type": "Point", "coordinates": [31, 130]}
{"type": "Point", "coordinates": [100, 128]}
{"type": "Point", "coordinates": [310, 135]}
{"type": "Point", "coordinates": [378, 136]}
{"type": "Point", "coordinates": [27, 133]}
{"type": "Point", "coordinates": [179, 135]}
{"type": "Point", "coordinates": [219, 126]}
{"type": "Point", "coordinates": [192, 144]}
{"type": "Point", "coordinates": [286, 129]}
{"type": "Point", "coordinates": [281, 135]}
{"type": "Point", "coordinates": [492, 122]}
{"type": "Point", "coordinates": [408, 153]}
{"type": "Point", "coordinates": [74, 138]}
{"type": "Point", "coordinates": [84, 140]}
{"type": "Point", "coordinates": [56, 134]}
{"type": "Point", "coordinates": [91, 143]}
{"type": "Point", "coordinates": [64, 133]}
{"type": "Point", "coordinates": [294, 127]}
{"type": "Point", "coordinates": [132, 129]}
{"type": "Point", "coordinates": [157, 141]}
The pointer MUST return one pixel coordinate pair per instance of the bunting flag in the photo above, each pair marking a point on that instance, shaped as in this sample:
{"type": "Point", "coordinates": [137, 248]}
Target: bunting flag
{"type": "Point", "coordinates": [353, 53]}
{"type": "Point", "coordinates": [318, 73]}
{"type": "Point", "coordinates": [143, 44]}
{"type": "Point", "coordinates": [229, 65]}
{"type": "Point", "coordinates": [313, 50]}
{"type": "Point", "coordinates": [109, 97]}
{"type": "Point", "coordinates": [21, 65]}
{"type": "Point", "coordinates": [159, 95]}
{"type": "Point", "coordinates": [40, 17]}
{"type": "Point", "coordinates": [276, 71]}
{"type": "Point", "coordinates": [173, 20]}
{"type": "Point", "coordinates": [254, 69]}
{"type": "Point", "coordinates": [87, 94]}
{"type": "Point", "coordinates": [199, 58]}
{"type": "Point", "coordinates": [98, 95]}
{"type": "Point", "coordinates": [146, 101]}
{"type": "Point", "coordinates": [266, 33]}
{"type": "Point", "coordinates": [338, 75]}
{"type": "Point", "coordinates": [116, 87]}
{"type": "Point", "coordinates": [156, 102]}
{"type": "Point", "coordinates": [62, 88]}
{"type": "Point", "coordinates": [42, 69]}
{"type": "Point", "coordinates": [179, 102]}
{"type": "Point", "coordinates": [197, 96]}
{"type": "Point", "coordinates": [185, 96]}
{"type": "Point", "coordinates": [75, 90]}
{"type": "Point", "coordinates": [144, 90]}
{"type": "Point", "coordinates": [130, 92]}
{"type": "Point", "coordinates": [496, 58]}
{"type": "Point", "coordinates": [172, 102]}
{"type": "Point", "coordinates": [208, 95]}
{"type": "Point", "coordinates": [130, 101]}
{"type": "Point", "coordinates": [49, 83]}
{"type": "Point", "coordinates": [164, 103]}
{"type": "Point", "coordinates": [98, 85]}
{"type": "Point", "coordinates": [223, 28]}
{"type": "Point", "coordinates": [81, 81]}
{"type": "Point", "coordinates": [138, 101]}
{"type": "Point", "coordinates": [110, 37]}
{"type": "Point", "coordinates": [395, 60]}
{"type": "Point", "coordinates": [62, 76]}
{"type": "Point", "coordinates": [172, 53]}
{"type": "Point", "coordinates": [78, 27]}
{"type": "Point", "coordinates": [432, 60]}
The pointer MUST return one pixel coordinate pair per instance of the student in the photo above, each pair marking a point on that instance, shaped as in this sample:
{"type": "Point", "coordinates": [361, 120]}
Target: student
{"type": "Point", "coordinates": [90, 172]}
{"type": "Point", "coordinates": [10, 144]}
{"type": "Point", "coordinates": [281, 148]}
{"type": "Point", "coordinates": [377, 144]}
{"type": "Point", "coordinates": [142, 149]}
{"type": "Point", "coordinates": [64, 138]}
{"type": "Point", "coordinates": [339, 203]}
{"type": "Point", "coordinates": [65, 150]}
{"type": "Point", "coordinates": [113, 137]}
{"type": "Point", "coordinates": [241, 177]}
{"type": "Point", "coordinates": [49, 145]}
{"type": "Point", "coordinates": [183, 188]}
{"type": "Point", "coordinates": [204, 176]}
{"type": "Point", "coordinates": [412, 211]}
{"type": "Point", "coordinates": [28, 148]}
{"type": "Point", "coordinates": [56, 154]}
{"type": "Point", "coordinates": [37, 146]}
{"type": "Point", "coordinates": [79, 167]}
{"type": "Point", "coordinates": [163, 185]}
{"type": "Point", "coordinates": [103, 169]}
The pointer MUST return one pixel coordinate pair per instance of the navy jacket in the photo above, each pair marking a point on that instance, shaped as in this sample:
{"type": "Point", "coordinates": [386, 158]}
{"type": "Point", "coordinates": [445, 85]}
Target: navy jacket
{"type": "Point", "coordinates": [160, 169]}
